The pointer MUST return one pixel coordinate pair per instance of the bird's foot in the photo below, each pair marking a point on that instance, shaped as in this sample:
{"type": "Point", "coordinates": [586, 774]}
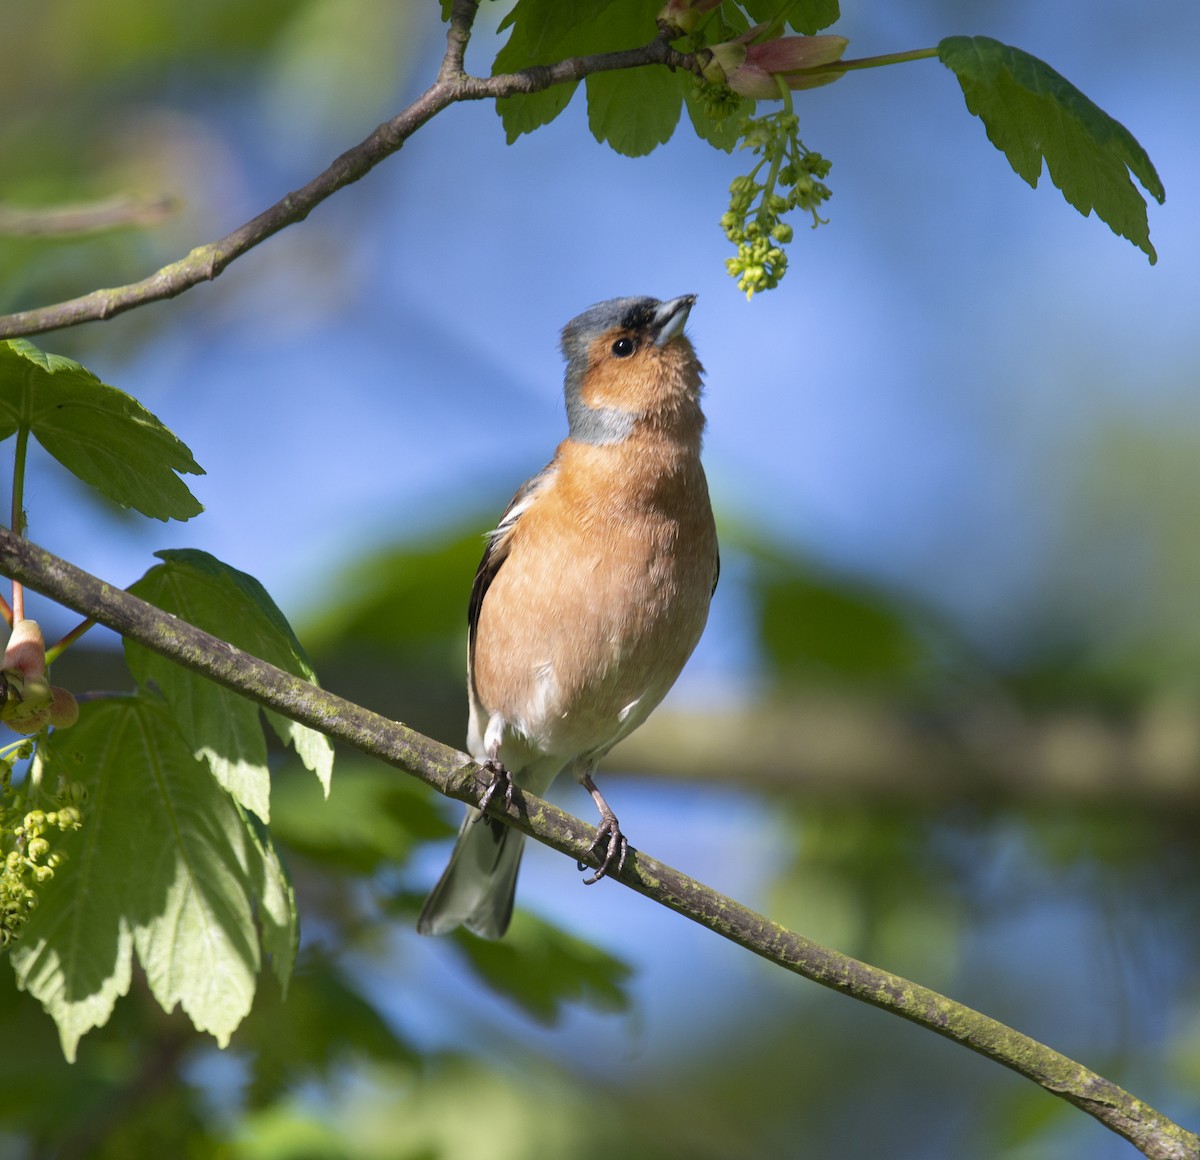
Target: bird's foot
{"type": "Point", "coordinates": [501, 783]}
{"type": "Point", "coordinates": [615, 846]}
{"type": "Point", "coordinates": [608, 836]}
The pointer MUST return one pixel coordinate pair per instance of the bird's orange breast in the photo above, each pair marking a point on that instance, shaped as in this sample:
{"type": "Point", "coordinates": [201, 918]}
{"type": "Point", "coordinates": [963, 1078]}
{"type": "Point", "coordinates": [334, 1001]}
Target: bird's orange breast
{"type": "Point", "coordinates": [603, 594]}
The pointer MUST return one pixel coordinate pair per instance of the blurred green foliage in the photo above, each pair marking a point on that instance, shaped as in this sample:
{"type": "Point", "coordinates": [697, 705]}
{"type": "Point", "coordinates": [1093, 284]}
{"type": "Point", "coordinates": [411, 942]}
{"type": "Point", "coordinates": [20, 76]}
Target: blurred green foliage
{"type": "Point", "coordinates": [824, 627]}
{"type": "Point", "coordinates": [99, 101]}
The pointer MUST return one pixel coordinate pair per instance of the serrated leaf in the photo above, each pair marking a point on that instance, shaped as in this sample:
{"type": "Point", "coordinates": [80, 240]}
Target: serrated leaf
{"type": "Point", "coordinates": [547, 31]}
{"type": "Point", "coordinates": [314, 749]}
{"type": "Point", "coordinates": [277, 912]}
{"type": "Point", "coordinates": [1033, 113]}
{"type": "Point", "coordinates": [633, 110]}
{"type": "Point", "coordinates": [526, 112]}
{"type": "Point", "coordinates": [724, 23]}
{"type": "Point", "coordinates": [195, 939]}
{"type": "Point", "coordinates": [542, 32]}
{"type": "Point", "coordinates": [805, 16]}
{"type": "Point", "coordinates": [164, 864]}
{"type": "Point", "coordinates": [98, 433]}
{"type": "Point", "coordinates": [76, 951]}
{"type": "Point", "coordinates": [222, 727]}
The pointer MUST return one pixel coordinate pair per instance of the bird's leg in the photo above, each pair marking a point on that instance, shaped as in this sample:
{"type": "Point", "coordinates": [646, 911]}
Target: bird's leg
{"type": "Point", "coordinates": [608, 836]}
{"type": "Point", "coordinates": [501, 783]}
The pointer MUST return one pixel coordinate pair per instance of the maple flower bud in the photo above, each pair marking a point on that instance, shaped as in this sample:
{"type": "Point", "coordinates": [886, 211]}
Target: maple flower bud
{"type": "Point", "coordinates": [26, 651]}
{"type": "Point", "coordinates": [27, 709]}
{"type": "Point", "coordinates": [684, 15]}
{"type": "Point", "coordinates": [64, 709]}
{"type": "Point", "coordinates": [29, 723]}
{"type": "Point", "coordinates": [750, 69]}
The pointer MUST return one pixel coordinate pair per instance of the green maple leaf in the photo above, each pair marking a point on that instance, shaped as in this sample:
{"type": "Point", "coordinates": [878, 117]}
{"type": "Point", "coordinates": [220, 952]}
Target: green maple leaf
{"type": "Point", "coordinates": [222, 727]}
{"type": "Point", "coordinates": [1032, 113]}
{"type": "Point", "coordinates": [98, 433]}
{"type": "Point", "coordinates": [166, 866]}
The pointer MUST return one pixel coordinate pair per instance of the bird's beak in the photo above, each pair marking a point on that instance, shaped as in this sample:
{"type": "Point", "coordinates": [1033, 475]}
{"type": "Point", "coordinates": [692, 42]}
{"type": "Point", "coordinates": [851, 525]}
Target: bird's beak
{"type": "Point", "coordinates": [670, 318]}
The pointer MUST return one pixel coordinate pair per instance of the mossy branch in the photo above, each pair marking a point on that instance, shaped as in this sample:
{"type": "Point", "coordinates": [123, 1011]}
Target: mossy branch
{"type": "Point", "coordinates": [454, 774]}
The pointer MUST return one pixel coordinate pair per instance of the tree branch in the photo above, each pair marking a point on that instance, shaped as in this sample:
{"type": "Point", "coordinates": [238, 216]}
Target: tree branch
{"type": "Point", "coordinates": [206, 262]}
{"type": "Point", "coordinates": [456, 775]}
{"type": "Point", "coordinates": [462, 18]}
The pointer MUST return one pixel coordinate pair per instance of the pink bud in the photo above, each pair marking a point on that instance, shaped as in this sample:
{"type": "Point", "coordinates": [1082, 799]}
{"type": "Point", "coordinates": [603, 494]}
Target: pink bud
{"type": "Point", "coordinates": [26, 650]}
{"type": "Point", "coordinates": [64, 709]}
{"type": "Point", "coordinates": [751, 69]}
{"type": "Point", "coordinates": [791, 53]}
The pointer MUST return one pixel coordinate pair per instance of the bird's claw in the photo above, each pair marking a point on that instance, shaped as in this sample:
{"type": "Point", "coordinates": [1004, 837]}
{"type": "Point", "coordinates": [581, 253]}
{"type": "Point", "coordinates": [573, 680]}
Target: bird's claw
{"type": "Point", "coordinates": [501, 783]}
{"type": "Point", "coordinates": [615, 846]}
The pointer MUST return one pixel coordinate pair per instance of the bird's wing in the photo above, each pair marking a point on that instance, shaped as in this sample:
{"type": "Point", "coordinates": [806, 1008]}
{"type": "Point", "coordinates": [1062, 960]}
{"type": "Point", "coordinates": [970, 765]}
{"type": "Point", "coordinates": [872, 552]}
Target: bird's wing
{"type": "Point", "coordinates": [498, 544]}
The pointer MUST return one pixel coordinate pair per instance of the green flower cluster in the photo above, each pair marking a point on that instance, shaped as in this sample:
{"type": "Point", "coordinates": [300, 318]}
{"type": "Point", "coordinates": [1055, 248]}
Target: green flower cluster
{"type": "Point", "coordinates": [717, 101]}
{"type": "Point", "coordinates": [794, 180]}
{"type": "Point", "coordinates": [28, 857]}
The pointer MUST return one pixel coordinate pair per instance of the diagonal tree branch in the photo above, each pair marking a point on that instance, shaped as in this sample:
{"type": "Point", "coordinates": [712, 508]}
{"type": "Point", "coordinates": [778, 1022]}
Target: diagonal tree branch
{"type": "Point", "coordinates": [456, 775]}
{"type": "Point", "coordinates": [453, 84]}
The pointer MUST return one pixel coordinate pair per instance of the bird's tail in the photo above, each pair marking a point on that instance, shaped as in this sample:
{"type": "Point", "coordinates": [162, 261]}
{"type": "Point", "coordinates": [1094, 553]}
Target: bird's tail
{"type": "Point", "coordinates": [477, 888]}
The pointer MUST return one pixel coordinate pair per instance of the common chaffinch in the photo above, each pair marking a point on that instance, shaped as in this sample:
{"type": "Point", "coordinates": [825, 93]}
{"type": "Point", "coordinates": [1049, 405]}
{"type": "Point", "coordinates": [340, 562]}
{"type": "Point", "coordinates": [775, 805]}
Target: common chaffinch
{"type": "Point", "coordinates": [592, 592]}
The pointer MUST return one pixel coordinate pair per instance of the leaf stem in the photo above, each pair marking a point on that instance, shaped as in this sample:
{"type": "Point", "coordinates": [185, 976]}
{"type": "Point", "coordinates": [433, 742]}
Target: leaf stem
{"type": "Point", "coordinates": [837, 68]}
{"type": "Point", "coordinates": [33, 781]}
{"type": "Point", "coordinates": [764, 211]}
{"type": "Point", "coordinates": [56, 650]}
{"type": "Point", "coordinates": [18, 509]}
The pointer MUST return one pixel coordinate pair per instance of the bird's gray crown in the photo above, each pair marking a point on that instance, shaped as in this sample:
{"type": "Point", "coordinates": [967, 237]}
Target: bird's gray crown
{"type": "Point", "coordinates": [658, 321]}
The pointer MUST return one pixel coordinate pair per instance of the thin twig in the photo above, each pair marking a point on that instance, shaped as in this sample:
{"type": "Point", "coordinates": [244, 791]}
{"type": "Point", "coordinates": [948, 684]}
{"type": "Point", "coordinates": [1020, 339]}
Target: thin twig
{"type": "Point", "coordinates": [462, 17]}
{"type": "Point", "coordinates": [206, 262]}
{"type": "Point", "coordinates": [456, 775]}
{"type": "Point", "coordinates": [67, 639]}
{"type": "Point", "coordinates": [18, 507]}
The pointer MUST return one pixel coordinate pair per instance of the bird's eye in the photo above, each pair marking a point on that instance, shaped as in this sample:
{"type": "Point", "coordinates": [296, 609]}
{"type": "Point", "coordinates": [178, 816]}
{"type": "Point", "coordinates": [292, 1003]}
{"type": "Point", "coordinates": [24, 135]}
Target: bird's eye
{"type": "Point", "coordinates": [624, 347]}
